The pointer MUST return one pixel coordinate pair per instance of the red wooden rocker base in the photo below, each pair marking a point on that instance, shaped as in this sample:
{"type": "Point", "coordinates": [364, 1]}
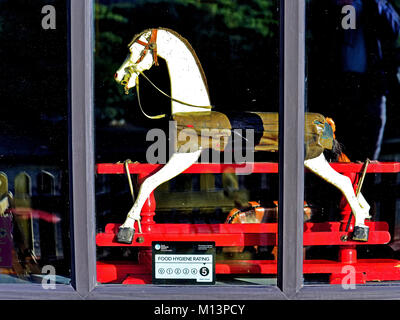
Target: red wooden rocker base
{"type": "Point", "coordinates": [346, 268]}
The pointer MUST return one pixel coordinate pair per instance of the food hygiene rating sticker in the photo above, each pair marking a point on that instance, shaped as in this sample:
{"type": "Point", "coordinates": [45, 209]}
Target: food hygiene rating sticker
{"type": "Point", "coordinates": [183, 262]}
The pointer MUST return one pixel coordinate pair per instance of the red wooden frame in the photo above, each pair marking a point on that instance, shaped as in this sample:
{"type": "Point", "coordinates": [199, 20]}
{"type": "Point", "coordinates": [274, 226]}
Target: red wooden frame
{"type": "Point", "coordinates": [264, 234]}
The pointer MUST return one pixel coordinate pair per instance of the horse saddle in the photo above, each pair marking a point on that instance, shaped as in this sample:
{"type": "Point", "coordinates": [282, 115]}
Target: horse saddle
{"type": "Point", "coordinates": [212, 129]}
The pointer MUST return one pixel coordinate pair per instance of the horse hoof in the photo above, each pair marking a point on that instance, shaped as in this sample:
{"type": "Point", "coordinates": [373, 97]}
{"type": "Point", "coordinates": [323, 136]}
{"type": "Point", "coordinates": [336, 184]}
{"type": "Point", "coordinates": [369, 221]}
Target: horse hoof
{"type": "Point", "coordinates": [360, 233]}
{"type": "Point", "coordinates": [125, 235]}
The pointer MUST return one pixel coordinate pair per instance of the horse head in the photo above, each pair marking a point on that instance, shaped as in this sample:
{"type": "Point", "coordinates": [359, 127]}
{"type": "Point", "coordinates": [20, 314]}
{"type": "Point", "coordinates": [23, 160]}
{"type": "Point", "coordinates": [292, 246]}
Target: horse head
{"type": "Point", "coordinates": [143, 54]}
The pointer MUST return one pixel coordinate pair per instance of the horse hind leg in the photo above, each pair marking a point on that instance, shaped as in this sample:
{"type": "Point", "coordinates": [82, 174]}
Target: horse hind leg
{"type": "Point", "coordinates": [178, 163]}
{"type": "Point", "coordinates": [358, 204]}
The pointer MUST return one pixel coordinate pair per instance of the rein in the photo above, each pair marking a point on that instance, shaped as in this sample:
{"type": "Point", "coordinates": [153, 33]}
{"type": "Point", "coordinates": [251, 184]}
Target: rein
{"type": "Point", "coordinates": [160, 116]}
{"type": "Point", "coordinates": [152, 45]}
{"type": "Point", "coordinates": [165, 94]}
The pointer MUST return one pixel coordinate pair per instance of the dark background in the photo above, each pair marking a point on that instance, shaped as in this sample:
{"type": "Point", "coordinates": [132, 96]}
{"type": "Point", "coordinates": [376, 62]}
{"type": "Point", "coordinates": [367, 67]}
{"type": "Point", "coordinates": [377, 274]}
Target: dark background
{"type": "Point", "coordinates": [33, 83]}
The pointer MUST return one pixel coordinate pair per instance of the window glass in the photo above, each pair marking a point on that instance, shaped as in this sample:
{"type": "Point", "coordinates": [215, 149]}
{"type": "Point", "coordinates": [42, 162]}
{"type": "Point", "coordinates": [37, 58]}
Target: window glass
{"type": "Point", "coordinates": [34, 191]}
{"type": "Point", "coordinates": [218, 53]}
{"type": "Point", "coordinates": [351, 229]}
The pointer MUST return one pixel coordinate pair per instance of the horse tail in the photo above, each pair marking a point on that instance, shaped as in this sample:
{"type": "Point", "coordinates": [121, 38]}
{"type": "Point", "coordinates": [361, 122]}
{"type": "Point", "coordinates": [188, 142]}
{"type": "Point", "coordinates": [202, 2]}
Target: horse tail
{"type": "Point", "coordinates": [337, 150]}
{"type": "Point", "coordinates": [336, 154]}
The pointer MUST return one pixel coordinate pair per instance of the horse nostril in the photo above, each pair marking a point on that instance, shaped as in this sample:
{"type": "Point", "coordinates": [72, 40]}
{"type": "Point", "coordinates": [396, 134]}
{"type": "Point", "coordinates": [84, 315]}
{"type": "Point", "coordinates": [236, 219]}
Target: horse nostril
{"type": "Point", "coordinates": [116, 75]}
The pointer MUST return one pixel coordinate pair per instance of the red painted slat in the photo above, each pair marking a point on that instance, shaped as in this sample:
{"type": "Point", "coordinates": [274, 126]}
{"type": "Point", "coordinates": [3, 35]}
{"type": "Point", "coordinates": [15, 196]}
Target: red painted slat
{"type": "Point", "coordinates": [258, 167]}
{"type": "Point", "coordinates": [326, 233]}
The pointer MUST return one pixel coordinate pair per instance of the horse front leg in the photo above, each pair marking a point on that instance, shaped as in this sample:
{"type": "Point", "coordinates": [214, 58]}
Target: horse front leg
{"type": "Point", "coordinates": [358, 204]}
{"type": "Point", "coordinates": [178, 163]}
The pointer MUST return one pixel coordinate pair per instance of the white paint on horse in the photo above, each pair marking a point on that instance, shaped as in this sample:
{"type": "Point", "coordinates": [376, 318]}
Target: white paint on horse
{"type": "Point", "coordinates": [188, 85]}
{"type": "Point", "coordinates": [170, 170]}
{"type": "Point", "coordinates": [358, 204]}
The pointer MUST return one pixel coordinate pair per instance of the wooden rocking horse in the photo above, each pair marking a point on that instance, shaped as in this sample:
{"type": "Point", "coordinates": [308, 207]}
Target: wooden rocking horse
{"type": "Point", "coordinates": [191, 108]}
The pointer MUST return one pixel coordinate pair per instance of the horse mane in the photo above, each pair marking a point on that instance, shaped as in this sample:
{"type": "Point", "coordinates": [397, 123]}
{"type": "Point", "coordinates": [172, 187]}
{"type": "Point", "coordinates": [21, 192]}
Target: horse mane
{"type": "Point", "coordinates": [187, 44]}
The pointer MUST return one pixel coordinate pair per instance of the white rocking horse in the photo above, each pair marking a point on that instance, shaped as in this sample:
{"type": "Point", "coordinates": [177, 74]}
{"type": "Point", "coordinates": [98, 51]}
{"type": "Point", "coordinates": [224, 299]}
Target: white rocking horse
{"type": "Point", "coordinates": [190, 105]}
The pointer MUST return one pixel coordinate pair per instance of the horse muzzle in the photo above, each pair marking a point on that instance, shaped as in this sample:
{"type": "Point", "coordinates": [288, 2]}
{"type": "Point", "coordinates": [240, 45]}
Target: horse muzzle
{"type": "Point", "coordinates": [125, 80]}
{"type": "Point", "coordinates": [129, 72]}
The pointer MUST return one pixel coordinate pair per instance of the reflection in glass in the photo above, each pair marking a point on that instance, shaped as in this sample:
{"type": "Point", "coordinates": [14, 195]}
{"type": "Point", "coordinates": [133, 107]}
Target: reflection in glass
{"type": "Point", "coordinates": [34, 196]}
{"type": "Point", "coordinates": [352, 63]}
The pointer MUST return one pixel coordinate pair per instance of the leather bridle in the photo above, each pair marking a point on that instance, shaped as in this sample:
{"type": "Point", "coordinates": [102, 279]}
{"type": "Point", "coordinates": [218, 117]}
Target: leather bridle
{"type": "Point", "coordinates": [150, 45]}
